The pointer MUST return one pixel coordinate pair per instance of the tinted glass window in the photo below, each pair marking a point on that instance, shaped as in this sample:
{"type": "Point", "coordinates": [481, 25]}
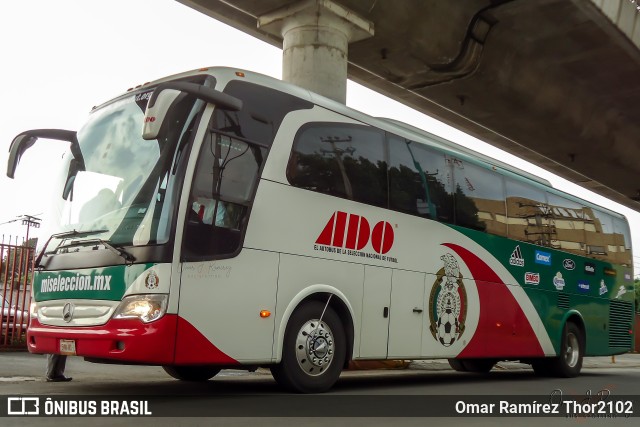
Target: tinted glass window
{"type": "Point", "coordinates": [479, 198]}
{"type": "Point", "coordinates": [419, 180]}
{"type": "Point", "coordinates": [567, 222]}
{"type": "Point", "coordinates": [623, 241]}
{"type": "Point", "coordinates": [262, 113]}
{"type": "Point", "coordinates": [599, 235]}
{"type": "Point", "coordinates": [221, 194]}
{"type": "Point", "coordinates": [342, 160]}
{"type": "Point", "coordinates": [528, 213]}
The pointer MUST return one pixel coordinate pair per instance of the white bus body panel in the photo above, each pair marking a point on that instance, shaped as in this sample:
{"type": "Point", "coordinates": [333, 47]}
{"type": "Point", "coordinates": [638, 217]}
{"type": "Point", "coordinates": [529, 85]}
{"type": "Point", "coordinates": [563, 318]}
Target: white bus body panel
{"type": "Point", "coordinates": [223, 300]}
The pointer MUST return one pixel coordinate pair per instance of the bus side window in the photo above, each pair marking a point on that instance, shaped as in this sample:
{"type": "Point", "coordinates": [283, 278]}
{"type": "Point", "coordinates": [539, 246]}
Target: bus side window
{"type": "Point", "coordinates": [528, 213]}
{"type": "Point", "coordinates": [568, 224]}
{"type": "Point", "coordinates": [223, 186]}
{"type": "Point", "coordinates": [599, 235]}
{"type": "Point", "coordinates": [419, 183]}
{"type": "Point", "coordinates": [342, 160]}
{"type": "Point", "coordinates": [622, 241]}
{"type": "Point", "coordinates": [479, 198]}
{"type": "Point", "coordinates": [265, 108]}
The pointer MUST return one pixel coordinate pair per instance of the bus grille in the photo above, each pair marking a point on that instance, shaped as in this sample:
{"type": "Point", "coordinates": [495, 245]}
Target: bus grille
{"type": "Point", "coordinates": [563, 301]}
{"type": "Point", "coordinates": [620, 321]}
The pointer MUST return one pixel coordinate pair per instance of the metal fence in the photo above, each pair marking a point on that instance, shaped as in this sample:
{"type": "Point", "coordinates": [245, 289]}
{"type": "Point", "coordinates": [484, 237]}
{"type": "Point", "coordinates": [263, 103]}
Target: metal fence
{"type": "Point", "coordinates": [16, 271]}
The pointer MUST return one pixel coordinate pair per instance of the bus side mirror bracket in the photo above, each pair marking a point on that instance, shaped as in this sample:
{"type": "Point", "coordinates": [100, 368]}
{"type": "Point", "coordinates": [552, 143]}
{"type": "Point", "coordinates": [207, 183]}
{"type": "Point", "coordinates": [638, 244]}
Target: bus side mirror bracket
{"type": "Point", "coordinates": [164, 96]}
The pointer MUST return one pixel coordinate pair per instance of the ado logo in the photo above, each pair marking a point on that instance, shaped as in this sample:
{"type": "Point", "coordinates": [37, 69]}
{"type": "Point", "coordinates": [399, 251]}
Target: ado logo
{"type": "Point", "coordinates": [351, 231]}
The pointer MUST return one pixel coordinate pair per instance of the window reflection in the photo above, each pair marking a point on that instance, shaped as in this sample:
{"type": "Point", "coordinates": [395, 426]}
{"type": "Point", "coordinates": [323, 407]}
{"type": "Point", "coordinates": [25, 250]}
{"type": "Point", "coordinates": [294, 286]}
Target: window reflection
{"type": "Point", "coordinates": [342, 160]}
{"type": "Point", "coordinates": [479, 199]}
{"type": "Point", "coordinates": [528, 213]}
{"type": "Point", "coordinates": [348, 161]}
{"type": "Point", "coordinates": [419, 181]}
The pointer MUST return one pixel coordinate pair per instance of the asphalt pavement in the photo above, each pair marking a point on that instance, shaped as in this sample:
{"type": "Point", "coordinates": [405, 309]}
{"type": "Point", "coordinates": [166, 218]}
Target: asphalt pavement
{"type": "Point", "coordinates": [23, 366]}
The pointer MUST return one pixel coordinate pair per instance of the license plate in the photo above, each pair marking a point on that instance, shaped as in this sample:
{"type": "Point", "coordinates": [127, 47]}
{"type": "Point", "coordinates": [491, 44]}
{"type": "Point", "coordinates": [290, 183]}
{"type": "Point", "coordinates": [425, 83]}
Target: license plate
{"type": "Point", "coordinates": [68, 347]}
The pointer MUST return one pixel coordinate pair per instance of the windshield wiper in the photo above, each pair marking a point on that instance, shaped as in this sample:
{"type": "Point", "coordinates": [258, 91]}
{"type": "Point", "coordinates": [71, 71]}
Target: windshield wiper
{"type": "Point", "coordinates": [116, 249]}
{"type": "Point", "coordinates": [62, 237]}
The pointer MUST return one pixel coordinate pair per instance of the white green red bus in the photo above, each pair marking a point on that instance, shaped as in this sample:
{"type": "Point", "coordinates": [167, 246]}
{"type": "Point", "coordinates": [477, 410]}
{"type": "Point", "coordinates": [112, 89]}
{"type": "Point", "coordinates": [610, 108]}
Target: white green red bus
{"type": "Point", "coordinates": [221, 219]}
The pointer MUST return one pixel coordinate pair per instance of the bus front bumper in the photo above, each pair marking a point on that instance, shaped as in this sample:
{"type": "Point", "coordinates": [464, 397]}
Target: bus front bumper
{"type": "Point", "coordinates": [120, 340]}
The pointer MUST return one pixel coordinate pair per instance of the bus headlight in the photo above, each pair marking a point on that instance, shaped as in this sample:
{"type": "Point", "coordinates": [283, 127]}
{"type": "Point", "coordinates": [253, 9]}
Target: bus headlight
{"type": "Point", "coordinates": [147, 308]}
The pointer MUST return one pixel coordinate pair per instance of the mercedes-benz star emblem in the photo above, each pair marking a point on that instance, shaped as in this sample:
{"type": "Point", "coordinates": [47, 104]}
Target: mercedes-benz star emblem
{"type": "Point", "coordinates": [67, 312]}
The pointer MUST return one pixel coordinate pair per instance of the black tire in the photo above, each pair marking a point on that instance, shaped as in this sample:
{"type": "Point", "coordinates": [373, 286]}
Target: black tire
{"type": "Point", "coordinates": [569, 362]}
{"type": "Point", "coordinates": [479, 366]}
{"type": "Point", "coordinates": [542, 367]}
{"type": "Point", "coordinates": [313, 354]}
{"type": "Point", "coordinates": [191, 373]}
{"type": "Point", "coordinates": [457, 365]}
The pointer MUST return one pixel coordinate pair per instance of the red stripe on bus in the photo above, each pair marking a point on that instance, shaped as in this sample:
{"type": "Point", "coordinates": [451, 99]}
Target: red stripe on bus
{"type": "Point", "coordinates": [193, 348]}
{"type": "Point", "coordinates": [503, 328]}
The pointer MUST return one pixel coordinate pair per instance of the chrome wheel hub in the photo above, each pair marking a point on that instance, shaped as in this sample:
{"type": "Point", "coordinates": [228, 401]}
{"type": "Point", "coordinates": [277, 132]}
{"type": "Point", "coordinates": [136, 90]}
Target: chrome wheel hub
{"type": "Point", "coordinates": [314, 347]}
{"type": "Point", "coordinates": [572, 352]}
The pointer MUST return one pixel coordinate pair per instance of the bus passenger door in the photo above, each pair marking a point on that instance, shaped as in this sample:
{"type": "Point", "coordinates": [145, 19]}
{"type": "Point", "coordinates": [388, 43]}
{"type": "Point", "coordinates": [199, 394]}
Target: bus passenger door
{"type": "Point", "coordinates": [374, 330]}
{"type": "Point", "coordinates": [227, 292]}
{"type": "Point", "coordinates": [406, 314]}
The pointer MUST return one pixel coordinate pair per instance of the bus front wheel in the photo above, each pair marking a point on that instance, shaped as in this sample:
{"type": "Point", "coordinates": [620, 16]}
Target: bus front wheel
{"type": "Point", "coordinates": [191, 373]}
{"type": "Point", "coordinates": [457, 365]}
{"type": "Point", "coordinates": [313, 351]}
{"type": "Point", "coordinates": [479, 366]}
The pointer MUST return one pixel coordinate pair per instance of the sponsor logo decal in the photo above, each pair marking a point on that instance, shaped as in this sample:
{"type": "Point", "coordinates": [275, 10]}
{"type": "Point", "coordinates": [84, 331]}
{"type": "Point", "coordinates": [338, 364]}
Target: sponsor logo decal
{"type": "Point", "coordinates": [603, 288]}
{"type": "Point", "coordinates": [627, 276]}
{"type": "Point", "coordinates": [543, 258]}
{"type": "Point", "coordinates": [448, 303]}
{"type": "Point", "coordinates": [516, 257]}
{"type": "Point", "coordinates": [558, 281]}
{"type": "Point", "coordinates": [590, 268]}
{"type": "Point", "coordinates": [349, 234]}
{"type": "Point", "coordinates": [610, 272]}
{"type": "Point", "coordinates": [532, 278]}
{"type": "Point", "coordinates": [621, 291]}
{"type": "Point", "coordinates": [152, 281]}
{"type": "Point", "coordinates": [583, 286]}
{"type": "Point", "coordinates": [569, 264]}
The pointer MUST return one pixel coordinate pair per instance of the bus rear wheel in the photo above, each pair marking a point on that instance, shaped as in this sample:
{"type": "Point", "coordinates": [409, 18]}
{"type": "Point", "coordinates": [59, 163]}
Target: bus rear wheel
{"type": "Point", "coordinates": [313, 351]}
{"type": "Point", "coordinates": [569, 362]}
{"type": "Point", "coordinates": [191, 373]}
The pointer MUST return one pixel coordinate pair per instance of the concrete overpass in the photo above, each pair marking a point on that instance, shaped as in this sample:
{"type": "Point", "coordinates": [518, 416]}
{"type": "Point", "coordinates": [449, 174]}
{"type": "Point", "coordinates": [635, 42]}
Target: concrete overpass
{"type": "Point", "coordinates": [556, 82]}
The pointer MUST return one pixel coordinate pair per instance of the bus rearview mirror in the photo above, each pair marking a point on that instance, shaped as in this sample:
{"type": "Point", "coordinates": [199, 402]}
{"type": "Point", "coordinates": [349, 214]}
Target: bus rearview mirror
{"type": "Point", "coordinates": [25, 140]}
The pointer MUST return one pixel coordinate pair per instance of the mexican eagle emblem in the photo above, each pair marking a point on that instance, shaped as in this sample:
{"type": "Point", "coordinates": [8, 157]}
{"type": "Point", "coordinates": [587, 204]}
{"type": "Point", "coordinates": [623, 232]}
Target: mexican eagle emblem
{"type": "Point", "coordinates": [448, 303]}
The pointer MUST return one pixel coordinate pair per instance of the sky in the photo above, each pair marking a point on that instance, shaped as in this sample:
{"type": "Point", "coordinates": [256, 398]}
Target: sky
{"type": "Point", "coordinates": [61, 57]}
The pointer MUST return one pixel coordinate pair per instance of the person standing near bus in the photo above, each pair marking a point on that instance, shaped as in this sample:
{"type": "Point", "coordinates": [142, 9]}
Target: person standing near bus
{"type": "Point", "coordinates": [55, 368]}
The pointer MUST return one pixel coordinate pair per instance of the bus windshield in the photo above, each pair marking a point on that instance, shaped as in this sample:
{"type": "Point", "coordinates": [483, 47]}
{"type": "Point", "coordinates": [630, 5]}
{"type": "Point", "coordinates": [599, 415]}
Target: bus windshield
{"type": "Point", "coordinates": [123, 183]}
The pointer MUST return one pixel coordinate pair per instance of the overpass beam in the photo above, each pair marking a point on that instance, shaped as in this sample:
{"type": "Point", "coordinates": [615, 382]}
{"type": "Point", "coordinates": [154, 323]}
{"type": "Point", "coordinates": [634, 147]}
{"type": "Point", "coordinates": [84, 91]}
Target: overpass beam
{"type": "Point", "coordinates": [316, 35]}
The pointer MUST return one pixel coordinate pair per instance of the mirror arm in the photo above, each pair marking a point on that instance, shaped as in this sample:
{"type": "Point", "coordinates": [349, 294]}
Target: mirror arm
{"type": "Point", "coordinates": [205, 93]}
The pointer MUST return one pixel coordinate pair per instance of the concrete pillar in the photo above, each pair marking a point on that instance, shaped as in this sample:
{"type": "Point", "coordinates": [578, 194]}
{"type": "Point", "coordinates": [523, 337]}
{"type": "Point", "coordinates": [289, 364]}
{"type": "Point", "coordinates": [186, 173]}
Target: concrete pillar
{"type": "Point", "coordinates": [316, 36]}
